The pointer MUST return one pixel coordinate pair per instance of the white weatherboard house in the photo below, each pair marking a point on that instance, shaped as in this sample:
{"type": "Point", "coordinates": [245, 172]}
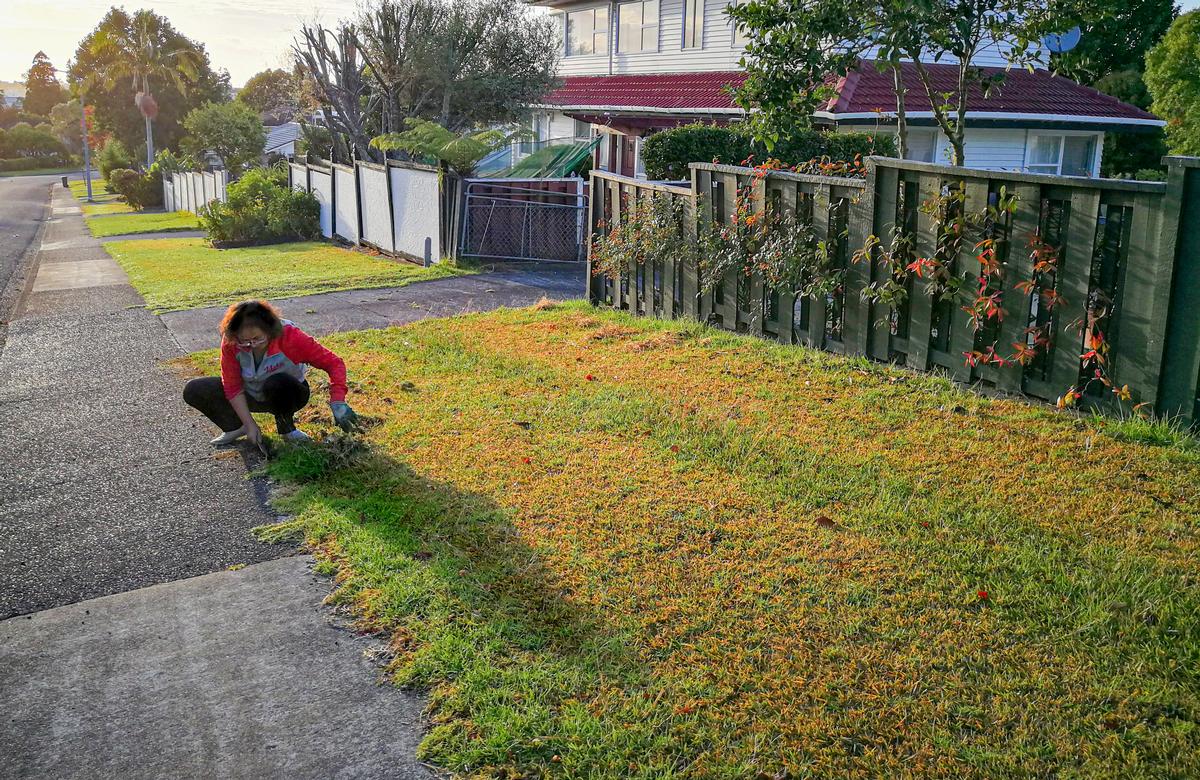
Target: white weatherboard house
{"type": "Point", "coordinates": [632, 68]}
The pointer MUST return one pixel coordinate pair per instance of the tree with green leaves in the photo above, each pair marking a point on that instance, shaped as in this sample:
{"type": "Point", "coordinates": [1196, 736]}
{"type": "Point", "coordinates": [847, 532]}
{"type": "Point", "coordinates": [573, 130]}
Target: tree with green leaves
{"type": "Point", "coordinates": [42, 88]}
{"type": "Point", "coordinates": [231, 131]}
{"type": "Point", "coordinates": [1174, 81]}
{"type": "Point", "coordinates": [66, 119]}
{"type": "Point", "coordinates": [460, 152]}
{"type": "Point", "coordinates": [798, 49]}
{"type": "Point", "coordinates": [462, 65]}
{"type": "Point", "coordinates": [1116, 36]}
{"type": "Point", "coordinates": [274, 94]}
{"type": "Point", "coordinates": [142, 47]}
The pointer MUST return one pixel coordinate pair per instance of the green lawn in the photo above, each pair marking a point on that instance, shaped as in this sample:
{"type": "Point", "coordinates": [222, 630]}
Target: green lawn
{"type": "Point", "coordinates": [618, 548]}
{"type": "Point", "coordinates": [187, 273]}
{"type": "Point", "coordinates": [123, 224]}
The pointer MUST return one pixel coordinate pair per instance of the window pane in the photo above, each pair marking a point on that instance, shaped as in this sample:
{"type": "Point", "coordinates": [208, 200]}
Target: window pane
{"type": "Point", "coordinates": [650, 25]}
{"type": "Point", "coordinates": [1077, 155]}
{"type": "Point", "coordinates": [693, 24]}
{"type": "Point", "coordinates": [600, 36]}
{"type": "Point", "coordinates": [921, 146]}
{"type": "Point", "coordinates": [1045, 150]}
{"type": "Point", "coordinates": [629, 18]}
{"type": "Point", "coordinates": [1051, 169]}
{"type": "Point", "coordinates": [579, 32]}
{"type": "Point", "coordinates": [739, 37]}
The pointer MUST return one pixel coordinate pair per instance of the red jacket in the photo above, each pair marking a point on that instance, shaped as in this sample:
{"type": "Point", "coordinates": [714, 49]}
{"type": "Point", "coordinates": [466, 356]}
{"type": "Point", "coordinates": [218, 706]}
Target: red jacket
{"type": "Point", "coordinates": [291, 354]}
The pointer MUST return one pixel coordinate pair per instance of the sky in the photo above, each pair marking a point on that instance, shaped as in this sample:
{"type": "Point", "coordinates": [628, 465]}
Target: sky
{"type": "Point", "coordinates": [242, 36]}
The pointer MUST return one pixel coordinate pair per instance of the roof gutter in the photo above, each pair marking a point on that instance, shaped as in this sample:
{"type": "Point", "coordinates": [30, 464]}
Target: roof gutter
{"type": "Point", "coordinates": [995, 116]}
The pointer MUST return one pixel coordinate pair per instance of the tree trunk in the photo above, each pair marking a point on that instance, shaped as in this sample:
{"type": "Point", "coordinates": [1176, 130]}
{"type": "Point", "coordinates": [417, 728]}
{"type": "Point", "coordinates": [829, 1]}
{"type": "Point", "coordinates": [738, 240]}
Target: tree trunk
{"type": "Point", "coordinates": [149, 125]}
{"type": "Point", "coordinates": [901, 117]}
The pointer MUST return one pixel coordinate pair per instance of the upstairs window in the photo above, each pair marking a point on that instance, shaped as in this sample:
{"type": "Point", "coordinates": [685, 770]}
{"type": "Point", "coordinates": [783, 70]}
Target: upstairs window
{"type": "Point", "coordinates": [587, 32]}
{"type": "Point", "coordinates": [693, 24]}
{"type": "Point", "coordinates": [740, 38]}
{"type": "Point", "coordinates": [639, 27]}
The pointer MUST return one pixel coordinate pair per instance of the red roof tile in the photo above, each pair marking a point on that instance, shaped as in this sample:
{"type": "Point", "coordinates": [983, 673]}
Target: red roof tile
{"type": "Point", "coordinates": [670, 91]}
{"type": "Point", "coordinates": [1022, 92]}
{"type": "Point", "coordinates": [864, 91]}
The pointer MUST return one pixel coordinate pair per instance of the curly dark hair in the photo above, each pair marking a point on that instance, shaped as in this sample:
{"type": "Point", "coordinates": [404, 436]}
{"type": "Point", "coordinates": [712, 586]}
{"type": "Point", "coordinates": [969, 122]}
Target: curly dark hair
{"type": "Point", "coordinates": [260, 313]}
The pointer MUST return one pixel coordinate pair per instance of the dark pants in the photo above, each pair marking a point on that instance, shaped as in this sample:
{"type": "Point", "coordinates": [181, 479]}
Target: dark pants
{"type": "Point", "coordinates": [284, 396]}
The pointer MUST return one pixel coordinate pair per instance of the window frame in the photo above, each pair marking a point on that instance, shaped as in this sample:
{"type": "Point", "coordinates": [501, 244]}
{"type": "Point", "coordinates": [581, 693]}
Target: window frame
{"type": "Point", "coordinates": [696, 22]}
{"type": "Point", "coordinates": [604, 30]}
{"type": "Point", "coordinates": [642, 27]}
{"type": "Point", "coordinates": [1062, 136]}
{"type": "Point", "coordinates": [737, 38]}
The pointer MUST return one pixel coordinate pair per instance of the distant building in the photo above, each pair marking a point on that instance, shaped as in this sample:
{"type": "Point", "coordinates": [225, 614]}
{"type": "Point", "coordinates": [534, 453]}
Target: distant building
{"type": "Point", "coordinates": [281, 139]}
{"type": "Point", "coordinates": [13, 101]}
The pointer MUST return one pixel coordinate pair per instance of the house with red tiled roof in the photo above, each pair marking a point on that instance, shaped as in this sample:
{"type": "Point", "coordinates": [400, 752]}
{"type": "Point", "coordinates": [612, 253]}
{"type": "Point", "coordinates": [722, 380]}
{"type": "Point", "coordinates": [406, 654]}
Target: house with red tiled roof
{"type": "Point", "coordinates": [632, 67]}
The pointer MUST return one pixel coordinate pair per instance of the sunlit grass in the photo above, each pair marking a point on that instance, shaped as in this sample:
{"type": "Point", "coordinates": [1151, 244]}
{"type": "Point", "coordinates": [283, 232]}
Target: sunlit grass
{"type": "Point", "coordinates": [125, 224]}
{"type": "Point", "coordinates": [187, 273]}
{"type": "Point", "coordinates": [622, 548]}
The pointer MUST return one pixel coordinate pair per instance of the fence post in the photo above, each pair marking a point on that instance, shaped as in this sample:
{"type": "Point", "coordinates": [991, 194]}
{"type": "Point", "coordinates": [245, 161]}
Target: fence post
{"type": "Point", "coordinates": [884, 220]}
{"type": "Point", "coordinates": [920, 307]}
{"type": "Point", "coordinates": [1179, 385]}
{"type": "Point", "coordinates": [962, 334]}
{"type": "Point", "coordinates": [1073, 284]}
{"type": "Point", "coordinates": [1019, 268]}
{"type": "Point", "coordinates": [387, 174]}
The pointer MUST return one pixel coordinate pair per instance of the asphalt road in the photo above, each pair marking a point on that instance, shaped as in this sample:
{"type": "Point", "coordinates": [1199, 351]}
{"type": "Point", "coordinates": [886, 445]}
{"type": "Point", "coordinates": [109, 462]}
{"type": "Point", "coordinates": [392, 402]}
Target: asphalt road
{"type": "Point", "coordinates": [23, 207]}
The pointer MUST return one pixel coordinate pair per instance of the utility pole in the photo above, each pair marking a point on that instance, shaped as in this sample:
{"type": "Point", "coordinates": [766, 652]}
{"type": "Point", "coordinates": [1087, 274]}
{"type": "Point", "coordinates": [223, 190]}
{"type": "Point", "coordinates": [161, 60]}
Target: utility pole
{"type": "Point", "coordinates": [87, 152]}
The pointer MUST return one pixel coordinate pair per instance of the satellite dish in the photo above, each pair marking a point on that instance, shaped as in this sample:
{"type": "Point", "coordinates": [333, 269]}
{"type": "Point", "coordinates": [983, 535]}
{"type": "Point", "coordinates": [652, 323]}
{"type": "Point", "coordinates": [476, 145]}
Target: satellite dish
{"type": "Point", "coordinates": [1061, 42]}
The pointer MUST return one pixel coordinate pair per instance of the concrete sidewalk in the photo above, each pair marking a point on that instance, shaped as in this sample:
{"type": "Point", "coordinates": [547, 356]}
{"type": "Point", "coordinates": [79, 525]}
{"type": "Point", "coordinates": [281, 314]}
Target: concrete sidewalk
{"type": "Point", "coordinates": [108, 485]}
{"type": "Point", "coordinates": [229, 675]}
{"type": "Point", "coordinates": [108, 480]}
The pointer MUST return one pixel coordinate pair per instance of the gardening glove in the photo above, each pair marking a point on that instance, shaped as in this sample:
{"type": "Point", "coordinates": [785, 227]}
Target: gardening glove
{"type": "Point", "coordinates": [344, 416]}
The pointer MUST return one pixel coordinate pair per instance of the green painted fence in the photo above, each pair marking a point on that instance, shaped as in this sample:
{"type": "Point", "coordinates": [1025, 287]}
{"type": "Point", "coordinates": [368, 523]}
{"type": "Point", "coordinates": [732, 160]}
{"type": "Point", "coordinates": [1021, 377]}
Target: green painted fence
{"type": "Point", "coordinates": [1136, 244]}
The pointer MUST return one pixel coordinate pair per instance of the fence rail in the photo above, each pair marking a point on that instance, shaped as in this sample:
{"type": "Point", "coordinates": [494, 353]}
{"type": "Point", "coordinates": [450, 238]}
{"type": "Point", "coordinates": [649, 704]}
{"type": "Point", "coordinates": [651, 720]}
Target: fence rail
{"type": "Point", "coordinates": [1126, 271]}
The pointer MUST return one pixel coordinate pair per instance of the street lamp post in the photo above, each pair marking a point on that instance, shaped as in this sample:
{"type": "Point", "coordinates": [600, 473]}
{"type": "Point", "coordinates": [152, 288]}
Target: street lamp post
{"type": "Point", "coordinates": [87, 152]}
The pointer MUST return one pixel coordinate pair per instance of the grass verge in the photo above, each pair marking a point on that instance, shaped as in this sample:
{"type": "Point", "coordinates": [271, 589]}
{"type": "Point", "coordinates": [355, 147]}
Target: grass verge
{"type": "Point", "coordinates": [622, 548]}
{"type": "Point", "coordinates": [125, 224]}
{"type": "Point", "coordinates": [187, 273]}
{"type": "Point", "coordinates": [38, 172]}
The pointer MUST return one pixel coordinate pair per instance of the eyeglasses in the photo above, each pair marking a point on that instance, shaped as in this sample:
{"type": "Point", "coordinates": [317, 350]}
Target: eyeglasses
{"type": "Point", "coordinates": [258, 342]}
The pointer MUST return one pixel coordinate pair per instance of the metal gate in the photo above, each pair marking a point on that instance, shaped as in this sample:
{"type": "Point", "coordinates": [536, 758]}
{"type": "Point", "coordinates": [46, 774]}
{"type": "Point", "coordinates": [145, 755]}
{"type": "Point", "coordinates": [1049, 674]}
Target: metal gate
{"type": "Point", "coordinates": [537, 219]}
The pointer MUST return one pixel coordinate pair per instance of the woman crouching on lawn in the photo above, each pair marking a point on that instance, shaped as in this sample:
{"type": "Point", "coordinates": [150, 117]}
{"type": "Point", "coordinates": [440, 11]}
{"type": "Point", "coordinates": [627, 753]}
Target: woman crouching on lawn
{"type": "Point", "coordinates": [264, 359]}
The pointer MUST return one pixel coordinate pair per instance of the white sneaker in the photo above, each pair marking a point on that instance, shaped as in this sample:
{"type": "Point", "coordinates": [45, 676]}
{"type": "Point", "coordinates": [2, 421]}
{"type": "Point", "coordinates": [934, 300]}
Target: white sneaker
{"type": "Point", "coordinates": [227, 439]}
{"type": "Point", "coordinates": [297, 435]}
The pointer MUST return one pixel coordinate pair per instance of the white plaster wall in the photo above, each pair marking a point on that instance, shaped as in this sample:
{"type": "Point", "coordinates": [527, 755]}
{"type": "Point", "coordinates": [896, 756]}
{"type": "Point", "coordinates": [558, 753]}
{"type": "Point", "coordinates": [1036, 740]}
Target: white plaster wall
{"type": "Point", "coordinates": [347, 203]}
{"type": "Point", "coordinates": [377, 219]}
{"type": "Point", "coordinates": [416, 203]}
{"type": "Point", "coordinates": [322, 190]}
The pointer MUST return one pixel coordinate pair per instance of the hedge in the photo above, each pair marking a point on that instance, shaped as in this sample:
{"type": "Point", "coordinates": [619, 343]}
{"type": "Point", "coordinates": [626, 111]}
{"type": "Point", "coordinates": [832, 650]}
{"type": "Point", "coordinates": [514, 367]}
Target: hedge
{"type": "Point", "coordinates": [34, 163]}
{"type": "Point", "coordinates": [666, 154]}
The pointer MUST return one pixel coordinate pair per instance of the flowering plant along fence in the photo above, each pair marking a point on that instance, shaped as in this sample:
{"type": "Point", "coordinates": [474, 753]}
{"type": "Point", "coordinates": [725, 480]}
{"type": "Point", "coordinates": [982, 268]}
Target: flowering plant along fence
{"type": "Point", "coordinates": [1070, 290]}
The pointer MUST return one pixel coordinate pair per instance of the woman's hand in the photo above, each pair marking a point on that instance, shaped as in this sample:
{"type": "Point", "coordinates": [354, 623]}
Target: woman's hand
{"type": "Point", "coordinates": [254, 434]}
{"type": "Point", "coordinates": [344, 416]}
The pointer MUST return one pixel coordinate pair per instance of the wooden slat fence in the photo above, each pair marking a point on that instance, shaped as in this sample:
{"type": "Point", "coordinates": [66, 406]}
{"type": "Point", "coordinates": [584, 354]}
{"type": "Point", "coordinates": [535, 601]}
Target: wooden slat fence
{"type": "Point", "coordinates": [1131, 249]}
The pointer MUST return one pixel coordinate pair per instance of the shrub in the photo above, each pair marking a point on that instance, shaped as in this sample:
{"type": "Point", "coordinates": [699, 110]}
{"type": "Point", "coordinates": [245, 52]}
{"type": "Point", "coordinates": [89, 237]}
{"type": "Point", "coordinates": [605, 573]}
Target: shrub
{"type": "Point", "coordinates": [25, 141]}
{"type": "Point", "coordinates": [114, 155]}
{"type": "Point", "coordinates": [140, 190]}
{"type": "Point", "coordinates": [667, 154]}
{"type": "Point", "coordinates": [33, 163]}
{"type": "Point", "coordinates": [260, 209]}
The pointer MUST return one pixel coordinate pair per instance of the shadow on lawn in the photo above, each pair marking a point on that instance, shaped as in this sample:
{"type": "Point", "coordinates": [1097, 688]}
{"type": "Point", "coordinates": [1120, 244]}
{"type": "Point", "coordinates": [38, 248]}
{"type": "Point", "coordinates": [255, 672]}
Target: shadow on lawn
{"type": "Point", "coordinates": [444, 569]}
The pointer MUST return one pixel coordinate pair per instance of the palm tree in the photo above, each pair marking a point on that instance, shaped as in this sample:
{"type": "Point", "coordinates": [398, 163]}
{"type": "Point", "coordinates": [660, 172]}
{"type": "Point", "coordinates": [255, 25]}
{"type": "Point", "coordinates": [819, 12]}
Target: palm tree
{"type": "Point", "coordinates": [142, 47]}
